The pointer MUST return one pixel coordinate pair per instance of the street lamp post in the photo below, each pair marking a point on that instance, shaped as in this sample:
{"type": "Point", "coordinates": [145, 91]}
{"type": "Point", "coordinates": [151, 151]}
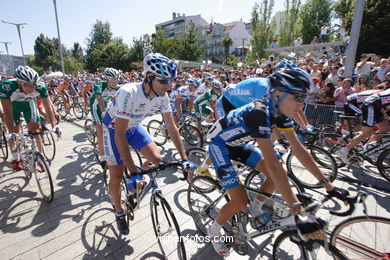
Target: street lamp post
{"type": "Point", "coordinates": [10, 61]}
{"type": "Point", "coordinates": [18, 25]}
{"type": "Point", "coordinates": [59, 37]}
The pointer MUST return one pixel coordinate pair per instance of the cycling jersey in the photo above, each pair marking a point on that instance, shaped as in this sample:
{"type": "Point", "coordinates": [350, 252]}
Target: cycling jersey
{"type": "Point", "coordinates": [202, 104]}
{"type": "Point", "coordinates": [133, 104]}
{"type": "Point", "coordinates": [374, 108]}
{"type": "Point", "coordinates": [355, 101]}
{"type": "Point", "coordinates": [182, 92]}
{"type": "Point", "coordinates": [22, 102]}
{"type": "Point", "coordinates": [100, 88]}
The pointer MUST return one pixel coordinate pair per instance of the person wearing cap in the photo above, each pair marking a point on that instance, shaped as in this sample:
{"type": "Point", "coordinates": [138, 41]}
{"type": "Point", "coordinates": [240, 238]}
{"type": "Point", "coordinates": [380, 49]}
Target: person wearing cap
{"type": "Point", "coordinates": [259, 73]}
{"type": "Point", "coordinates": [382, 69]}
{"type": "Point", "coordinates": [365, 64]}
{"type": "Point", "coordinates": [298, 42]}
{"type": "Point", "coordinates": [333, 76]}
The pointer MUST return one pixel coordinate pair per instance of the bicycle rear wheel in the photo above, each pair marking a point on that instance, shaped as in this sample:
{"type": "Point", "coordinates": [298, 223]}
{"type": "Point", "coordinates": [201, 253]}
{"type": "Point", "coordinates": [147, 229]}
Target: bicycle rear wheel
{"type": "Point", "coordinates": [166, 228]}
{"type": "Point", "coordinates": [301, 175]}
{"type": "Point", "coordinates": [204, 206]}
{"type": "Point", "coordinates": [383, 164]}
{"type": "Point", "coordinates": [191, 135]}
{"type": "Point", "coordinates": [78, 110]}
{"type": "Point", "coordinates": [289, 245]}
{"type": "Point", "coordinates": [157, 131]}
{"type": "Point", "coordinates": [90, 131]}
{"type": "Point", "coordinates": [49, 146]}
{"type": "Point", "coordinates": [363, 237]}
{"type": "Point", "coordinates": [3, 145]}
{"type": "Point", "coordinates": [43, 178]}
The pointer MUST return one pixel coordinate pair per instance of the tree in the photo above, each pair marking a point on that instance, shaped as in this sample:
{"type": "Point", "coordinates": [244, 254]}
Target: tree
{"type": "Point", "coordinates": [262, 30]}
{"type": "Point", "coordinates": [137, 49]}
{"type": "Point", "coordinates": [73, 65]}
{"type": "Point", "coordinates": [77, 52]}
{"type": "Point", "coordinates": [189, 46]}
{"type": "Point", "coordinates": [100, 34]}
{"type": "Point", "coordinates": [231, 60]}
{"type": "Point", "coordinates": [288, 22]}
{"type": "Point", "coordinates": [314, 14]}
{"type": "Point", "coordinates": [161, 44]}
{"type": "Point", "coordinates": [226, 43]}
{"type": "Point", "coordinates": [43, 48]}
{"type": "Point", "coordinates": [116, 55]}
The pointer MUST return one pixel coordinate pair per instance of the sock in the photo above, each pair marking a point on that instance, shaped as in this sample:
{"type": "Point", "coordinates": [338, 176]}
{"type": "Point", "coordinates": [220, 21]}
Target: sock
{"type": "Point", "coordinates": [119, 213]}
{"type": "Point", "coordinates": [215, 229]}
{"type": "Point", "coordinates": [15, 156]}
{"type": "Point", "coordinates": [257, 204]}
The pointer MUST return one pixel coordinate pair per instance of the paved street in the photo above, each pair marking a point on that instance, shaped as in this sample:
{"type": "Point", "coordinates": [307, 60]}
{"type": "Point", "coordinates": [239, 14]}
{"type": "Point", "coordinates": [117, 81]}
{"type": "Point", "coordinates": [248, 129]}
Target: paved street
{"type": "Point", "coordinates": [79, 223]}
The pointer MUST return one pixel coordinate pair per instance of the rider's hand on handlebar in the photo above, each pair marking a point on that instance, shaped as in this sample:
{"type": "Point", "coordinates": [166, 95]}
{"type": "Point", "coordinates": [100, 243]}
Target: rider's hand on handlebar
{"type": "Point", "coordinates": [311, 129]}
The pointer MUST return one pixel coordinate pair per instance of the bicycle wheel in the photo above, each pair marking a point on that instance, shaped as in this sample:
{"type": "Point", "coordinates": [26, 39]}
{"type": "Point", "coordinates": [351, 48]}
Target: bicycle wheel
{"type": "Point", "coordinates": [301, 175]}
{"type": "Point", "coordinates": [331, 143]}
{"type": "Point", "coordinates": [3, 145]}
{"type": "Point", "coordinates": [157, 131]}
{"type": "Point", "coordinates": [43, 178]}
{"type": "Point", "coordinates": [166, 228]}
{"type": "Point", "coordinates": [62, 110]}
{"type": "Point", "coordinates": [363, 237]}
{"type": "Point", "coordinates": [280, 209]}
{"type": "Point", "coordinates": [289, 245]}
{"type": "Point", "coordinates": [383, 164]}
{"type": "Point", "coordinates": [49, 146]}
{"type": "Point", "coordinates": [90, 131]}
{"type": "Point", "coordinates": [204, 207]}
{"type": "Point", "coordinates": [191, 135]}
{"type": "Point", "coordinates": [78, 111]}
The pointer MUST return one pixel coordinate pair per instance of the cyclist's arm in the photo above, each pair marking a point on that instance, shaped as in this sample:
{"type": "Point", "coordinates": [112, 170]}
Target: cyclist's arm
{"type": "Point", "coordinates": [174, 134]}
{"type": "Point", "coordinates": [121, 142]}
{"type": "Point", "coordinates": [8, 114]}
{"type": "Point", "coordinates": [46, 102]}
{"type": "Point", "coordinates": [305, 157]}
{"type": "Point", "coordinates": [300, 119]}
{"type": "Point", "coordinates": [191, 105]}
{"type": "Point", "coordinates": [178, 107]}
{"type": "Point", "coordinates": [279, 175]}
{"type": "Point", "coordinates": [99, 98]}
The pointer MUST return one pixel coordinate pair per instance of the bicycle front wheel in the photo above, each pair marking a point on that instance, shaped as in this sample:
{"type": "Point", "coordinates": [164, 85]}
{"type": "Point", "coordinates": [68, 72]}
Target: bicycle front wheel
{"type": "Point", "coordinates": [325, 162]}
{"type": "Point", "coordinates": [191, 135]}
{"type": "Point", "coordinates": [383, 164]}
{"type": "Point", "coordinates": [43, 178]}
{"type": "Point", "coordinates": [157, 131]}
{"type": "Point", "coordinates": [90, 131]}
{"type": "Point", "coordinates": [363, 237]}
{"type": "Point", "coordinates": [49, 146]}
{"type": "Point", "coordinates": [3, 145]}
{"type": "Point", "coordinates": [78, 111]}
{"type": "Point", "coordinates": [166, 228]}
{"type": "Point", "coordinates": [289, 245]}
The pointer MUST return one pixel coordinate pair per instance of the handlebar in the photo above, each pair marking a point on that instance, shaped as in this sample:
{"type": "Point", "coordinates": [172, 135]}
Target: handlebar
{"type": "Point", "coordinates": [164, 165]}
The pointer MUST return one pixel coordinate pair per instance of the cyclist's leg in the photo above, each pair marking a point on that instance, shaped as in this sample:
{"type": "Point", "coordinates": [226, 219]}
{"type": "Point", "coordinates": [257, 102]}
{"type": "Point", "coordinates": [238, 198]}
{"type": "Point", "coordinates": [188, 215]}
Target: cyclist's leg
{"type": "Point", "coordinates": [31, 115]}
{"type": "Point", "coordinates": [383, 127]}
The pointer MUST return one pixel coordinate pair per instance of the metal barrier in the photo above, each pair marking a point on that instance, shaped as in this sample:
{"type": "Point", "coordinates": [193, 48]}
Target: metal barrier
{"type": "Point", "coordinates": [320, 114]}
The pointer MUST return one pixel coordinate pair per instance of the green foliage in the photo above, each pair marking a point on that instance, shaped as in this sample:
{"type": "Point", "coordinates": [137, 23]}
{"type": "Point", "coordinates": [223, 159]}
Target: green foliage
{"type": "Point", "coordinates": [288, 23]}
{"type": "Point", "coordinates": [43, 48]}
{"type": "Point", "coordinates": [116, 55]}
{"type": "Point", "coordinates": [314, 14]}
{"type": "Point", "coordinates": [165, 46]}
{"type": "Point", "coordinates": [231, 60]}
{"type": "Point", "coordinates": [189, 47]}
{"type": "Point", "coordinates": [137, 48]}
{"type": "Point", "coordinates": [73, 65]}
{"type": "Point", "coordinates": [226, 43]}
{"type": "Point", "coordinates": [262, 31]}
{"type": "Point", "coordinates": [77, 52]}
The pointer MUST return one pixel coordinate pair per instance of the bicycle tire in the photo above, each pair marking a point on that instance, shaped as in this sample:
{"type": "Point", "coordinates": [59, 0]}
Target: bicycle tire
{"type": "Point", "coordinates": [325, 162]}
{"type": "Point", "coordinates": [78, 111]}
{"type": "Point", "coordinates": [49, 146]}
{"type": "Point", "coordinates": [62, 110]}
{"type": "Point", "coordinates": [89, 130]}
{"type": "Point", "coordinates": [293, 239]}
{"type": "Point", "coordinates": [3, 145]}
{"type": "Point", "coordinates": [365, 248]}
{"type": "Point", "coordinates": [383, 164]}
{"type": "Point", "coordinates": [157, 200]}
{"type": "Point", "coordinates": [191, 135]}
{"type": "Point", "coordinates": [206, 214]}
{"type": "Point", "coordinates": [330, 142]}
{"type": "Point", "coordinates": [46, 189]}
{"type": "Point", "coordinates": [158, 133]}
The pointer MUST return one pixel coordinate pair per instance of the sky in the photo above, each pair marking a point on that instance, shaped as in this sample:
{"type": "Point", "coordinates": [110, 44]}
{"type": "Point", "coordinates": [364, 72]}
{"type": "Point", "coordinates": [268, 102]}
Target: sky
{"type": "Point", "coordinates": [128, 18]}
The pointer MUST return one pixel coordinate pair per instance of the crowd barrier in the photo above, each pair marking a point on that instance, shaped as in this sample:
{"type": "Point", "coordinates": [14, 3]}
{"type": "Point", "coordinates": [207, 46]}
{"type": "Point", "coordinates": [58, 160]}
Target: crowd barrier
{"type": "Point", "coordinates": [320, 114]}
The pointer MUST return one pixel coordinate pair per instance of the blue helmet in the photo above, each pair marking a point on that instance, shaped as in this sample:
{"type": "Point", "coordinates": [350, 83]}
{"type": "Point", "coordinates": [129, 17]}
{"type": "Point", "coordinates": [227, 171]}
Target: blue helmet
{"type": "Point", "coordinates": [284, 64]}
{"type": "Point", "coordinates": [291, 80]}
{"type": "Point", "coordinates": [209, 79]}
{"type": "Point", "coordinates": [159, 65]}
{"type": "Point", "coordinates": [193, 81]}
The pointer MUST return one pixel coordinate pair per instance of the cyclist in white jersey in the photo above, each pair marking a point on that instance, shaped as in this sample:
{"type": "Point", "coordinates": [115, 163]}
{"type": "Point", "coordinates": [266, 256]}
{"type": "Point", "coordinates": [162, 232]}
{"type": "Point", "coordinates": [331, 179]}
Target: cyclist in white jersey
{"type": "Point", "coordinates": [121, 125]}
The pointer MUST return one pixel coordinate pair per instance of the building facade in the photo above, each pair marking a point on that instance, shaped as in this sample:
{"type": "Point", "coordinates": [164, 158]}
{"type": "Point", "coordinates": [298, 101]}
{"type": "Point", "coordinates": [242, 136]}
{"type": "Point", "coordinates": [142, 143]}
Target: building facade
{"type": "Point", "coordinates": [9, 64]}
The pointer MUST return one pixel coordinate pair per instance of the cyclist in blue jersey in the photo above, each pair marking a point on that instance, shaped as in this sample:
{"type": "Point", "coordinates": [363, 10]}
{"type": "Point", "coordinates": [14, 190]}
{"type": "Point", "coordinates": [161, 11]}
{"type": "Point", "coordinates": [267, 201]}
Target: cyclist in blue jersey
{"type": "Point", "coordinates": [229, 141]}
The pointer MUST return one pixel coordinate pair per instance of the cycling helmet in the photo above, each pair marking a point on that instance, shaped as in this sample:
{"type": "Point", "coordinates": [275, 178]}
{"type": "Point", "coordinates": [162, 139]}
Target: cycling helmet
{"type": "Point", "coordinates": [27, 74]}
{"type": "Point", "coordinates": [216, 84]}
{"type": "Point", "coordinates": [284, 64]}
{"type": "Point", "coordinates": [159, 65]}
{"type": "Point", "coordinates": [206, 75]}
{"type": "Point", "coordinates": [291, 80]}
{"type": "Point", "coordinates": [209, 79]}
{"type": "Point", "coordinates": [111, 72]}
{"type": "Point", "coordinates": [193, 81]}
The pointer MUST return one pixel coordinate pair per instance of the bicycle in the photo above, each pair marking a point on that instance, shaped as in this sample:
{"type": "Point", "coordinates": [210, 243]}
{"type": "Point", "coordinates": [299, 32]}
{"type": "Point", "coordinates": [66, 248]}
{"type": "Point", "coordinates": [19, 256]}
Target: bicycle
{"type": "Point", "coordinates": [90, 132]}
{"type": "Point", "coordinates": [3, 142]}
{"type": "Point", "coordinates": [163, 218]}
{"type": "Point", "coordinates": [33, 162]}
{"type": "Point", "coordinates": [158, 130]}
{"type": "Point", "coordinates": [204, 212]}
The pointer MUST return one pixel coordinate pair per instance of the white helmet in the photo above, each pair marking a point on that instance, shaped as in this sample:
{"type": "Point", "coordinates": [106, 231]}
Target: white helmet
{"type": "Point", "coordinates": [111, 72]}
{"type": "Point", "coordinates": [27, 74]}
{"type": "Point", "coordinates": [159, 65]}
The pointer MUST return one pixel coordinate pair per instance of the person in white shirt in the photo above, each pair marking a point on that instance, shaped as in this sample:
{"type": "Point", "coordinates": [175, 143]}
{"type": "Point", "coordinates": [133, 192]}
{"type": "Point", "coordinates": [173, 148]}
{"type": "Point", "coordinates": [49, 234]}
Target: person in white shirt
{"type": "Point", "coordinates": [364, 66]}
{"type": "Point", "coordinates": [382, 69]}
{"type": "Point", "coordinates": [324, 33]}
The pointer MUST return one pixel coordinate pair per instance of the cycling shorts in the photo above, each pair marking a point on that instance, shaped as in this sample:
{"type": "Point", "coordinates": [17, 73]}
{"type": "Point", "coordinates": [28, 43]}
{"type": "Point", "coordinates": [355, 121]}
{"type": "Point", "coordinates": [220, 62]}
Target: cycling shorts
{"type": "Point", "coordinates": [28, 108]}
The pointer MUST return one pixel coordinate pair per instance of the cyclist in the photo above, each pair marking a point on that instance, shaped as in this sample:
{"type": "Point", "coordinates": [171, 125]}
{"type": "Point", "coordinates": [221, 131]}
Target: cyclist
{"type": "Point", "coordinates": [102, 93]}
{"type": "Point", "coordinates": [376, 111]}
{"type": "Point", "coordinates": [86, 93]}
{"type": "Point", "coordinates": [122, 125]}
{"type": "Point", "coordinates": [20, 96]}
{"type": "Point", "coordinates": [205, 104]}
{"type": "Point", "coordinates": [63, 89]}
{"type": "Point", "coordinates": [229, 141]}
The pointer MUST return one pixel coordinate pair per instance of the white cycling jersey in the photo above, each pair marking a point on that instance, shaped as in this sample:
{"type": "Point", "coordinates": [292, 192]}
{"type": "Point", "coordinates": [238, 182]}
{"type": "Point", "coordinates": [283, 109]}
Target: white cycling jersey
{"type": "Point", "coordinates": [131, 102]}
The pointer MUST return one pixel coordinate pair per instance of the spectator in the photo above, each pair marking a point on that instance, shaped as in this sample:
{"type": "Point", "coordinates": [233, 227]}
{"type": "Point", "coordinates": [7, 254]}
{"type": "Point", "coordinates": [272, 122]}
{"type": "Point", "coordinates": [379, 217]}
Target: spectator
{"type": "Point", "coordinates": [324, 33]}
{"type": "Point", "coordinates": [298, 41]}
{"type": "Point", "coordinates": [362, 82]}
{"type": "Point", "coordinates": [333, 76]}
{"type": "Point", "coordinates": [325, 94]}
{"type": "Point", "coordinates": [364, 66]}
{"type": "Point", "coordinates": [273, 45]}
{"type": "Point", "coordinates": [382, 69]}
{"type": "Point", "coordinates": [341, 93]}
{"type": "Point", "coordinates": [312, 94]}
{"type": "Point", "coordinates": [315, 72]}
{"type": "Point", "coordinates": [315, 40]}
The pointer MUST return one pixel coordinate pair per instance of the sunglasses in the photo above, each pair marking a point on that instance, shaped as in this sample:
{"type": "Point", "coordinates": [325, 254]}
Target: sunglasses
{"type": "Point", "coordinates": [164, 81]}
{"type": "Point", "coordinates": [29, 84]}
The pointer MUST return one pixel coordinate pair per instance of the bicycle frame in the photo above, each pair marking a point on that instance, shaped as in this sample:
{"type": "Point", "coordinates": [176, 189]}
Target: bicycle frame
{"type": "Point", "coordinates": [152, 185]}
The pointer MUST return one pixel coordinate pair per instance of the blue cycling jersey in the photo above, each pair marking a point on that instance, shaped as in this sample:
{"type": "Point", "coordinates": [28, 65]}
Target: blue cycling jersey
{"type": "Point", "coordinates": [247, 91]}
